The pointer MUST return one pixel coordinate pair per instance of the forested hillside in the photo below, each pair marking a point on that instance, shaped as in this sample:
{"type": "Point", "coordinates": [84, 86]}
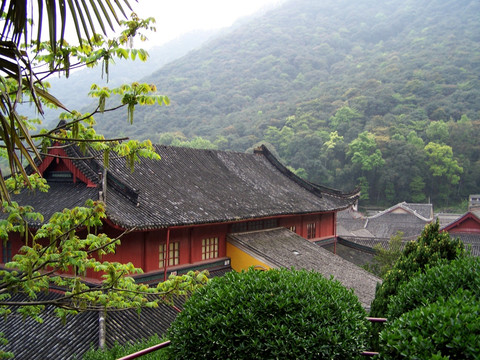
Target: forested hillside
{"type": "Point", "coordinates": [73, 91]}
{"type": "Point", "coordinates": [380, 94]}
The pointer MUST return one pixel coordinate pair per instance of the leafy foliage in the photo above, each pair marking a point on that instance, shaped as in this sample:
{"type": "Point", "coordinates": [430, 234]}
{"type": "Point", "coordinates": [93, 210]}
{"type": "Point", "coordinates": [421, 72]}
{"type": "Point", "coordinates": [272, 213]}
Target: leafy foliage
{"type": "Point", "coordinates": [441, 281]}
{"type": "Point", "coordinates": [21, 77]}
{"type": "Point", "coordinates": [273, 314]}
{"type": "Point", "coordinates": [57, 251]}
{"type": "Point", "coordinates": [435, 314]}
{"type": "Point", "coordinates": [385, 259]}
{"type": "Point", "coordinates": [446, 329]}
{"type": "Point", "coordinates": [430, 247]}
{"type": "Point", "coordinates": [17, 19]}
{"type": "Point", "coordinates": [68, 245]}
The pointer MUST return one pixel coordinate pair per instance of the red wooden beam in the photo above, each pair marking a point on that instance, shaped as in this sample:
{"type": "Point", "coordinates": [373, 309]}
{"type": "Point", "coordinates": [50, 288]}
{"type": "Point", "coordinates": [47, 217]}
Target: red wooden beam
{"type": "Point", "coordinates": [146, 351]}
{"type": "Point", "coordinates": [374, 319]}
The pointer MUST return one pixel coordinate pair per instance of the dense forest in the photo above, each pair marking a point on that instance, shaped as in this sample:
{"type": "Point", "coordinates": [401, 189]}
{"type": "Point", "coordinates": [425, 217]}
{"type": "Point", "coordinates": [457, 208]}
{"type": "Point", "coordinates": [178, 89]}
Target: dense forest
{"type": "Point", "coordinates": [384, 95]}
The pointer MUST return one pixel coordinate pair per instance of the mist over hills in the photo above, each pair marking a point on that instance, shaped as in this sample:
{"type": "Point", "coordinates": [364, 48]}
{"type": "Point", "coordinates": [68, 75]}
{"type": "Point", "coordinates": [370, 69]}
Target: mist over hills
{"type": "Point", "coordinates": [406, 72]}
{"type": "Point", "coordinates": [73, 91]}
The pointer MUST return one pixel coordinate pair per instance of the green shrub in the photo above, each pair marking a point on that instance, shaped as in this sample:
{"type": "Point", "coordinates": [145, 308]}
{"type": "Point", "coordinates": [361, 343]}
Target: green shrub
{"type": "Point", "coordinates": [275, 314]}
{"type": "Point", "coordinates": [118, 351]}
{"type": "Point", "coordinates": [447, 329]}
{"type": "Point", "coordinates": [384, 259]}
{"type": "Point", "coordinates": [431, 246]}
{"type": "Point", "coordinates": [440, 281]}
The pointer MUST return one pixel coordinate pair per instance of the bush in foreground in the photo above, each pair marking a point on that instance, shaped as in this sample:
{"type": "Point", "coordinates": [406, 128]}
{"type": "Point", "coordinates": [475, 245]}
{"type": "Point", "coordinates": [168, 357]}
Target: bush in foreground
{"type": "Point", "coordinates": [435, 315]}
{"type": "Point", "coordinates": [275, 314]}
{"type": "Point", "coordinates": [441, 281]}
{"type": "Point", "coordinates": [431, 247]}
{"type": "Point", "coordinates": [447, 329]}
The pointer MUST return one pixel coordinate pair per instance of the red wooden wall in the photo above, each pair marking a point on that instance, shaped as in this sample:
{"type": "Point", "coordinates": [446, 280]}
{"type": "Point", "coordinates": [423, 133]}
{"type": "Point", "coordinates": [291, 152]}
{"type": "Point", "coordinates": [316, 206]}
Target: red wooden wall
{"type": "Point", "coordinates": [142, 249]}
{"type": "Point", "coordinates": [468, 225]}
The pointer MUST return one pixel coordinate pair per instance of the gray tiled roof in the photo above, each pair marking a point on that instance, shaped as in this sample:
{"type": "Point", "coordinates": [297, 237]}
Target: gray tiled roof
{"type": "Point", "coordinates": [191, 186]}
{"type": "Point", "coordinates": [451, 219]}
{"type": "Point", "coordinates": [349, 221]}
{"type": "Point", "coordinates": [385, 224]}
{"type": "Point", "coordinates": [281, 247]}
{"type": "Point", "coordinates": [60, 196]}
{"type": "Point", "coordinates": [354, 255]}
{"type": "Point", "coordinates": [363, 243]}
{"type": "Point", "coordinates": [28, 339]}
{"type": "Point", "coordinates": [389, 224]}
{"type": "Point", "coordinates": [446, 219]}
{"type": "Point", "coordinates": [470, 240]}
{"type": "Point", "coordinates": [422, 211]}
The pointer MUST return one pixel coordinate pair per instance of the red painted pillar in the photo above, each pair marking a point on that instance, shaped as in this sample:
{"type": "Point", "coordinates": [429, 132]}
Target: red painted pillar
{"type": "Point", "coordinates": [167, 255]}
{"type": "Point", "coordinates": [335, 232]}
{"type": "Point", "coordinates": [145, 252]}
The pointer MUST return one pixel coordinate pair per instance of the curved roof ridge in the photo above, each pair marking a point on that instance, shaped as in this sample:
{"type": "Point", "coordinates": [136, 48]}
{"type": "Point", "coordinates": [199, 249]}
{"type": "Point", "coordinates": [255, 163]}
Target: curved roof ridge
{"type": "Point", "coordinates": [404, 206]}
{"type": "Point", "coordinates": [315, 188]}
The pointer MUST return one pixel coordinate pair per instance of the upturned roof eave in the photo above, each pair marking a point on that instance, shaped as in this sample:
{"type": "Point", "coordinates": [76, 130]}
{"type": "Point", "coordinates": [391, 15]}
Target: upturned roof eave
{"type": "Point", "coordinates": [316, 189]}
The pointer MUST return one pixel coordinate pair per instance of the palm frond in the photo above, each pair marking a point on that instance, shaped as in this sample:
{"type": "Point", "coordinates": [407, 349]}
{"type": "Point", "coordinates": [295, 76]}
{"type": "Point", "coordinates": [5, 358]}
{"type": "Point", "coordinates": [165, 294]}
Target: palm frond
{"type": "Point", "coordinates": [17, 16]}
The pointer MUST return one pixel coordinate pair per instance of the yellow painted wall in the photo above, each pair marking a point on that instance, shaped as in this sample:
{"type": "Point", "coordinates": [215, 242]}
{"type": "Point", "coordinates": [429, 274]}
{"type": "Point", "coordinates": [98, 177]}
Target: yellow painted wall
{"type": "Point", "coordinates": [240, 260]}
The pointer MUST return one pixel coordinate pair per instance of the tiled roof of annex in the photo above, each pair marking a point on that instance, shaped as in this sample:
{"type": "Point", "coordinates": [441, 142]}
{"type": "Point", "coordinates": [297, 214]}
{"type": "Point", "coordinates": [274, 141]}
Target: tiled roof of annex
{"type": "Point", "coordinates": [52, 339]}
{"type": "Point", "coordinates": [281, 247]}
{"type": "Point", "coordinates": [471, 236]}
{"type": "Point", "coordinates": [408, 218]}
{"type": "Point", "coordinates": [191, 186]}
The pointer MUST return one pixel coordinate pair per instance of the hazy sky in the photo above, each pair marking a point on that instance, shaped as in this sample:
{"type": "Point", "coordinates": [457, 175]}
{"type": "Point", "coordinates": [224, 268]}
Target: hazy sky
{"type": "Point", "coordinates": [176, 17]}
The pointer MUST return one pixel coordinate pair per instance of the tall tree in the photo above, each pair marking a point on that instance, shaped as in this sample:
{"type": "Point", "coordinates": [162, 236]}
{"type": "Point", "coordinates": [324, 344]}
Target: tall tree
{"type": "Point", "coordinates": [444, 169]}
{"type": "Point", "coordinates": [403, 162]}
{"type": "Point", "coordinates": [364, 153]}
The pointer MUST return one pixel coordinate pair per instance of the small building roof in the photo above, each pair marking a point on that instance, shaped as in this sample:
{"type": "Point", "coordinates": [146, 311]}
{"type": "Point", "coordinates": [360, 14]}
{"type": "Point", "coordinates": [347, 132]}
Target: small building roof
{"type": "Point", "coordinates": [389, 224]}
{"type": "Point", "coordinates": [405, 217]}
{"type": "Point", "coordinates": [362, 233]}
{"type": "Point", "coordinates": [422, 211]}
{"type": "Point", "coordinates": [459, 221]}
{"type": "Point", "coordinates": [189, 186]}
{"type": "Point", "coordinates": [281, 247]}
{"type": "Point", "coordinates": [467, 228]}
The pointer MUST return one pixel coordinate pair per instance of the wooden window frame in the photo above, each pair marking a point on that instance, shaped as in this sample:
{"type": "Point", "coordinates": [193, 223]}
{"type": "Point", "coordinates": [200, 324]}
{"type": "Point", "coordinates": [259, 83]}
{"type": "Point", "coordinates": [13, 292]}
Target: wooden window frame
{"type": "Point", "coordinates": [210, 248]}
{"type": "Point", "coordinates": [174, 254]}
{"type": "Point", "coordinates": [311, 230]}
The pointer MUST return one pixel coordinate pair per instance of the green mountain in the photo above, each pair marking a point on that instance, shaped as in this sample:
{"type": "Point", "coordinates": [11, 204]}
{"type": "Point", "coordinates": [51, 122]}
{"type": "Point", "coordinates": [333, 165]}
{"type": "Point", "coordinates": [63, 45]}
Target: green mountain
{"type": "Point", "coordinates": [381, 94]}
{"type": "Point", "coordinates": [73, 91]}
